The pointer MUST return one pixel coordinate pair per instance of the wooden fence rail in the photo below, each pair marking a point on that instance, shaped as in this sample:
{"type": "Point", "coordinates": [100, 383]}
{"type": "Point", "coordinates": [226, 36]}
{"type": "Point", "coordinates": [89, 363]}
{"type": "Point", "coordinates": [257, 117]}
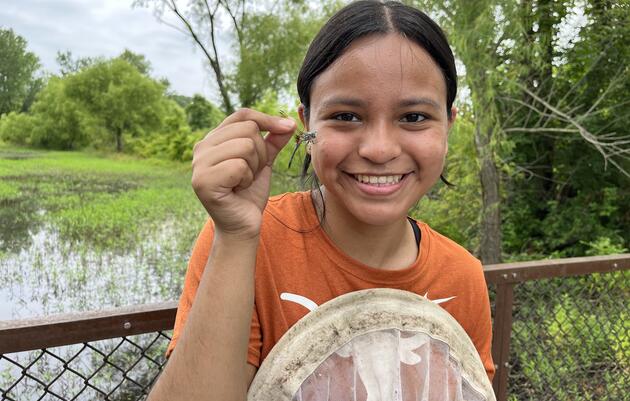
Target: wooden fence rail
{"type": "Point", "coordinates": [67, 329]}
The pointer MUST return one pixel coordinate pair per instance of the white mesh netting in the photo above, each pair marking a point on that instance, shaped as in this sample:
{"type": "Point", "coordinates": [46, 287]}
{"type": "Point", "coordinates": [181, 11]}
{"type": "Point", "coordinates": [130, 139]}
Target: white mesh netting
{"type": "Point", "coordinates": [389, 365]}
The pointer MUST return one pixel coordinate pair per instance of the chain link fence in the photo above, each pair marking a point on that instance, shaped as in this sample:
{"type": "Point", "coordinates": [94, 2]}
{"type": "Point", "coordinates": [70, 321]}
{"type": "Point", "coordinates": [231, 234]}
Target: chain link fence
{"type": "Point", "coordinates": [569, 340]}
{"type": "Point", "coordinates": [120, 369]}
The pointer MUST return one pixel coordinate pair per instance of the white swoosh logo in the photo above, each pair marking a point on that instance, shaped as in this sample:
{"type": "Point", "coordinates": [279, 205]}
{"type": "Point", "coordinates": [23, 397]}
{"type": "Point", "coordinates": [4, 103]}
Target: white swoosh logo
{"type": "Point", "coordinates": [298, 299]}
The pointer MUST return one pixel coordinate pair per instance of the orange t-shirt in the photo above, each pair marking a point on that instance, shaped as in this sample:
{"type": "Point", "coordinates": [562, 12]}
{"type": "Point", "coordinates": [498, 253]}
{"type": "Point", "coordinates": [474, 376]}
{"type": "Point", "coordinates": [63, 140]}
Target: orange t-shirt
{"type": "Point", "coordinates": [295, 256]}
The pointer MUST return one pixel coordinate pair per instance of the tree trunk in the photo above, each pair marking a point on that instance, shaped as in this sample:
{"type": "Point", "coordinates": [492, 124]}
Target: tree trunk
{"type": "Point", "coordinates": [119, 144]}
{"type": "Point", "coordinates": [490, 246]}
{"type": "Point", "coordinates": [225, 96]}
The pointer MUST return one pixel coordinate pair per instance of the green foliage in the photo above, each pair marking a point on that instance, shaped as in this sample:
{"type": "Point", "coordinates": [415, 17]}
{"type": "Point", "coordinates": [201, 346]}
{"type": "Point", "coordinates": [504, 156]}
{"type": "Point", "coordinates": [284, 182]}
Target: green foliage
{"type": "Point", "coordinates": [604, 246]}
{"type": "Point", "coordinates": [581, 338]}
{"type": "Point", "coordinates": [100, 103]}
{"type": "Point", "coordinates": [177, 145]}
{"type": "Point", "coordinates": [202, 114]}
{"type": "Point", "coordinates": [279, 42]}
{"type": "Point", "coordinates": [17, 66]}
{"type": "Point", "coordinates": [137, 60]}
{"type": "Point", "coordinates": [111, 220]}
{"type": "Point", "coordinates": [123, 100]}
{"type": "Point", "coordinates": [69, 65]}
{"type": "Point", "coordinates": [17, 128]}
{"type": "Point", "coordinates": [181, 100]}
{"type": "Point", "coordinates": [103, 202]}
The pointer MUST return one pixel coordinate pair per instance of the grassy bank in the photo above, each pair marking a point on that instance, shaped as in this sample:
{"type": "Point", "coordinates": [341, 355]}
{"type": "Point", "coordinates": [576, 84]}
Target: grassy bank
{"type": "Point", "coordinates": [98, 201]}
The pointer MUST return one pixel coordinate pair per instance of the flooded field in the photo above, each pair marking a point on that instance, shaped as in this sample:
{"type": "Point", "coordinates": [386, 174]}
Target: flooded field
{"type": "Point", "coordinates": [81, 232]}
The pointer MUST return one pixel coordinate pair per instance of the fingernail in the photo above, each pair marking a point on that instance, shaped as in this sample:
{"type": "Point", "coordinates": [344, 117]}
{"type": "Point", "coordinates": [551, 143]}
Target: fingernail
{"type": "Point", "coordinates": [287, 123]}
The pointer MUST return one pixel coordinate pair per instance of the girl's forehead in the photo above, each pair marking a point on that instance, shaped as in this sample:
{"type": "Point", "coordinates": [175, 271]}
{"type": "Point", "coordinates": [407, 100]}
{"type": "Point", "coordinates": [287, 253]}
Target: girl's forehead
{"type": "Point", "coordinates": [380, 64]}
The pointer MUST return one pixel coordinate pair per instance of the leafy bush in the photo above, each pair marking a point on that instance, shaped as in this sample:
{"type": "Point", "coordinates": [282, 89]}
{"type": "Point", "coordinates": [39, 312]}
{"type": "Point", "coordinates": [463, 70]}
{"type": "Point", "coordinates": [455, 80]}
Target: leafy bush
{"type": "Point", "coordinates": [101, 106]}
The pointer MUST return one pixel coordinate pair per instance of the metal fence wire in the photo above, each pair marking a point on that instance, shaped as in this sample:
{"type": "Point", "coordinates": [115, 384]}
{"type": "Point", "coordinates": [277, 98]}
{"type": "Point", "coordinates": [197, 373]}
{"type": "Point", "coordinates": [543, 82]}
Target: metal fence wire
{"type": "Point", "coordinates": [571, 339]}
{"type": "Point", "coordinates": [120, 369]}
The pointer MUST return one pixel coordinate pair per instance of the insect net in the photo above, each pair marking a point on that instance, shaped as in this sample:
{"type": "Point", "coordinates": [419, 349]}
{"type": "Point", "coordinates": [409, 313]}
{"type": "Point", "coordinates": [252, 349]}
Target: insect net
{"type": "Point", "coordinates": [374, 345]}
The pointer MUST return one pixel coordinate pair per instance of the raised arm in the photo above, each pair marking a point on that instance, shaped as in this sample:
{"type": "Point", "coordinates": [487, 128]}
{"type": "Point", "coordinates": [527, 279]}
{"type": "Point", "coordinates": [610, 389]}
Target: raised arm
{"type": "Point", "coordinates": [231, 177]}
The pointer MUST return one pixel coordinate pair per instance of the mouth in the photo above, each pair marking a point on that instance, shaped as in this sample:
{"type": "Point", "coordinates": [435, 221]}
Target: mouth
{"type": "Point", "coordinates": [379, 180]}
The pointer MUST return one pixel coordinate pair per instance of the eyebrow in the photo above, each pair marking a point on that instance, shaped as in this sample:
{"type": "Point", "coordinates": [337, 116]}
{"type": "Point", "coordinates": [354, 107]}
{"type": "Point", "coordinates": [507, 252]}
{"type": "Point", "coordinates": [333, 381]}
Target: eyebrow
{"type": "Point", "coordinates": [355, 102]}
{"type": "Point", "coordinates": [419, 100]}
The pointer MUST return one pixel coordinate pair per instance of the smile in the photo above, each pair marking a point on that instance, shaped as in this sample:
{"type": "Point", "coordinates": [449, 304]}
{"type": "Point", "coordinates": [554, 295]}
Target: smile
{"type": "Point", "coordinates": [378, 180]}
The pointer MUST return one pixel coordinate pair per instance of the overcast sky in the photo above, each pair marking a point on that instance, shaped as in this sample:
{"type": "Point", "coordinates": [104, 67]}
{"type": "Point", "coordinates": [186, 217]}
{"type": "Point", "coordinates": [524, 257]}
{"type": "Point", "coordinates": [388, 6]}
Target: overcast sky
{"type": "Point", "coordinates": [90, 28]}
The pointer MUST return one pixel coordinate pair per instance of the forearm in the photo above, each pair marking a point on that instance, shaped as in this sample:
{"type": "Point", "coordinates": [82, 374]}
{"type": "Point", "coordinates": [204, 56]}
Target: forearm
{"type": "Point", "coordinates": [209, 362]}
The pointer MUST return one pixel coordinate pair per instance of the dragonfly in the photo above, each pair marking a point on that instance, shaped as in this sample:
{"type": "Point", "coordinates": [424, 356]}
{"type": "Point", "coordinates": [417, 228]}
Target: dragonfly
{"type": "Point", "coordinates": [300, 137]}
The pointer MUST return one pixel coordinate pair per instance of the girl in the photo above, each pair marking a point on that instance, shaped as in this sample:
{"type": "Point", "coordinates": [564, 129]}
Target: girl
{"type": "Point", "coordinates": [377, 85]}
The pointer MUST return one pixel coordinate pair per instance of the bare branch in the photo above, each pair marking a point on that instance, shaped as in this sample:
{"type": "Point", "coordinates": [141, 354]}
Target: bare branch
{"type": "Point", "coordinates": [607, 148]}
{"type": "Point", "coordinates": [540, 130]}
{"type": "Point", "coordinates": [232, 14]}
{"type": "Point", "coordinates": [173, 7]}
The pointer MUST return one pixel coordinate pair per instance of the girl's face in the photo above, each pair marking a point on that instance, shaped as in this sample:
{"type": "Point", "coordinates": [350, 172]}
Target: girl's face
{"type": "Point", "coordinates": [381, 121]}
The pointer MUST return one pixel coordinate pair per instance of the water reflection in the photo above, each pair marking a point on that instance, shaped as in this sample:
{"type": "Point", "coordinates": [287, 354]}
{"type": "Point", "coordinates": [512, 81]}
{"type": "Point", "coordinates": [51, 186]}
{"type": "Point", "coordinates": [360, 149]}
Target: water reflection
{"type": "Point", "coordinates": [19, 218]}
{"type": "Point", "coordinates": [22, 216]}
{"type": "Point", "coordinates": [50, 276]}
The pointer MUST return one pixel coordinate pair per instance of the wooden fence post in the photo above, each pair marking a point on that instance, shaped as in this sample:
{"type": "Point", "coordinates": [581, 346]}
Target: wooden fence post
{"type": "Point", "coordinates": [501, 338]}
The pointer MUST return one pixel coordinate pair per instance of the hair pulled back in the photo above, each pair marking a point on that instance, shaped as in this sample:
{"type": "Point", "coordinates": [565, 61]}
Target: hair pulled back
{"type": "Point", "coordinates": [369, 17]}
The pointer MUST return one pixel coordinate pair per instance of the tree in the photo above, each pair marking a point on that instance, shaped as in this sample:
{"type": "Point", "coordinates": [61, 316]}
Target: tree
{"type": "Point", "coordinates": [125, 101]}
{"type": "Point", "coordinates": [69, 65]}
{"type": "Point", "coordinates": [137, 60]}
{"type": "Point", "coordinates": [201, 17]}
{"type": "Point", "coordinates": [100, 105]}
{"type": "Point", "coordinates": [277, 36]}
{"type": "Point", "coordinates": [526, 116]}
{"type": "Point", "coordinates": [202, 114]}
{"type": "Point", "coordinates": [271, 56]}
{"type": "Point", "coordinates": [17, 69]}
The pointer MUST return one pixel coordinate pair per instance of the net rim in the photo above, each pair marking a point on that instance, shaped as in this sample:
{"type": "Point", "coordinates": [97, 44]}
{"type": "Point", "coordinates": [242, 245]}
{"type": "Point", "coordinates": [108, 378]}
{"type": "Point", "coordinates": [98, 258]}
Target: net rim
{"type": "Point", "coordinates": [308, 343]}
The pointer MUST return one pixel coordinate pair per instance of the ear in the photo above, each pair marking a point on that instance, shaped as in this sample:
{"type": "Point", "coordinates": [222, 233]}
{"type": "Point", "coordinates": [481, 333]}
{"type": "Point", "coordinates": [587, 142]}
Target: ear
{"type": "Point", "coordinates": [453, 117]}
{"type": "Point", "coordinates": [303, 119]}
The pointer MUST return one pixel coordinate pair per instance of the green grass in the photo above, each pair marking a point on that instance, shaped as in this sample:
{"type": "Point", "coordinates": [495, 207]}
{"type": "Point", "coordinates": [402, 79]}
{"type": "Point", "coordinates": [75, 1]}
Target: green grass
{"type": "Point", "coordinates": [106, 202]}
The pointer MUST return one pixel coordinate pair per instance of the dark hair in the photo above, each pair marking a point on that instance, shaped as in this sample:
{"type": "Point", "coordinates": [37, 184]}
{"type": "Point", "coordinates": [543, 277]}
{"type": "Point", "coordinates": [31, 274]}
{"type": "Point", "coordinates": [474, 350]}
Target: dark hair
{"type": "Point", "coordinates": [369, 17]}
{"type": "Point", "coordinates": [372, 17]}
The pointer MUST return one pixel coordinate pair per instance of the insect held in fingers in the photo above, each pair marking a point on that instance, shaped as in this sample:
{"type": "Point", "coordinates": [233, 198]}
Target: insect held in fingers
{"type": "Point", "coordinates": [300, 137]}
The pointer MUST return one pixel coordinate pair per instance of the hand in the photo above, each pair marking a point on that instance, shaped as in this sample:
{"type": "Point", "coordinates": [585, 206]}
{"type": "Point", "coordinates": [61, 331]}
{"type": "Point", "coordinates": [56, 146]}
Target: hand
{"type": "Point", "coordinates": [232, 169]}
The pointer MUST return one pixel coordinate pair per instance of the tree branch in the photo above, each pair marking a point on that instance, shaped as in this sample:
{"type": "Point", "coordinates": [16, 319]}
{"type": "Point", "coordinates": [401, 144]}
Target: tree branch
{"type": "Point", "coordinates": [608, 149]}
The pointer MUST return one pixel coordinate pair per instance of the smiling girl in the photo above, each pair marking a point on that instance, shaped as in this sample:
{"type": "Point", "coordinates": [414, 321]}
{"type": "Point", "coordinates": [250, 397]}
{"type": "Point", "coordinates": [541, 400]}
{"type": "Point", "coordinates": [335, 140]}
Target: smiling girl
{"type": "Point", "coordinates": [377, 85]}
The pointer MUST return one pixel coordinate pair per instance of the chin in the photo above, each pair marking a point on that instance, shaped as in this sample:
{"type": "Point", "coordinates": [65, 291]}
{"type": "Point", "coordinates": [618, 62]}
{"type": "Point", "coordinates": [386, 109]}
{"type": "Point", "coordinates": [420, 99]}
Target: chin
{"type": "Point", "coordinates": [377, 215]}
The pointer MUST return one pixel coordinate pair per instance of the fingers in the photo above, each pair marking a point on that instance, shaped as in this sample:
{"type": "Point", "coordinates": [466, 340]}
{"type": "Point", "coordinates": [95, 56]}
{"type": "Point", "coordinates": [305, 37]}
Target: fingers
{"type": "Point", "coordinates": [232, 155]}
{"type": "Point", "coordinates": [227, 175]}
{"type": "Point", "coordinates": [239, 174]}
{"type": "Point", "coordinates": [233, 143]}
{"type": "Point", "coordinates": [246, 122]}
{"type": "Point", "coordinates": [265, 122]}
{"type": "Point", "coordinates": [274, 144]}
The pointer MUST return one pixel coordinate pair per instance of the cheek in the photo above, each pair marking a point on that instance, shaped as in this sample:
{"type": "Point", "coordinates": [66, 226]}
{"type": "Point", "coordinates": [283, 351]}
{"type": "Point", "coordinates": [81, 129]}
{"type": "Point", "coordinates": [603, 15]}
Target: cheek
{"type": "Point", "coordinates": [329, 152]}
{"type": "Point", "coordinates": [429, 155]}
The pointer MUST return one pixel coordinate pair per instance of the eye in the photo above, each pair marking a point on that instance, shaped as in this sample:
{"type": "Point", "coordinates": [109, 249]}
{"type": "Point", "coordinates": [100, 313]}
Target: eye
{"type": "Point", "coordinates": [413, 118]}
{"type": "Point", "coordinates": [349, 117]}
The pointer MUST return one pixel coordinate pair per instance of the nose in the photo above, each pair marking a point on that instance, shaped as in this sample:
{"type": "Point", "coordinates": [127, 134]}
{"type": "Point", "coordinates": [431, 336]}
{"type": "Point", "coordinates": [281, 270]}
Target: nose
{"type": "Point", "coordinates": [380, 144]}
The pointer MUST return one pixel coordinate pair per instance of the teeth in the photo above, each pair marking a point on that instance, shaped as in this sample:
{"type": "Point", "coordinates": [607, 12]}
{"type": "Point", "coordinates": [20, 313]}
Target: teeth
{"type": "Point", "coordinates": [378, 180]}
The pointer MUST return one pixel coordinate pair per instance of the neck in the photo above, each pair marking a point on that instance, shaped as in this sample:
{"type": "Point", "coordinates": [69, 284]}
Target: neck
{"type": "Point", "coordinates": [390, 247]}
